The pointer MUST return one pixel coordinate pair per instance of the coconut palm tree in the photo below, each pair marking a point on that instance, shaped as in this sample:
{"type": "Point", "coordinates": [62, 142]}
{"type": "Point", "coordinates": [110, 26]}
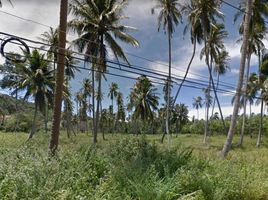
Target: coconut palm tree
{"type": "Point", "coordinates": [257, 31]}
{"type": "Point", "coordinates": [120, 116]}
{"type": "Point", "coordinates": [144, 99]}
{"type": "Point", "coordinates": [196, 35]}
{"type": "Point", "coordinates": [87, 92]}
{"type": "Point", "coordinates": [180, 116]}
{"type": "Point", "coordinates": [197, 104]}
{"type": "Point", "coordinates": [221, 67]}
{"type": "Point", "coordinates": [35, 78]}
{"type": "Point", "coordinates": [51, 38]}
{"type": "Point", "coordinates": [98, 24]}
{"type": "Point", "coordinates": [228, 142]}
{"type": "Point", "coordinates": [113, 91]}
{"type": "Point", "coordinates": [207, 103]}
{"type": "Point", "coordinates": [169, 17]}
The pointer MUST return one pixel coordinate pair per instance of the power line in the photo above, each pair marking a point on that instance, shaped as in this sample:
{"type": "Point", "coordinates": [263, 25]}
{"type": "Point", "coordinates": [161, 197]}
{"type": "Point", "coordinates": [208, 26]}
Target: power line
{"type": "Point", "coordinates": [149, 60]}
{"type": "Point", "coordinates": [147, 73]}
{"type": "Point", "coordinates": [116, 63]}
{"type": "Point", "coordinates": [155, 82]}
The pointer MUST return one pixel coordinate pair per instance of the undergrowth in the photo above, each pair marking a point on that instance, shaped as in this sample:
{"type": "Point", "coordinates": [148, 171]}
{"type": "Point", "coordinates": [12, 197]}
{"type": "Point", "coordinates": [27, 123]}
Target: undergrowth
{"type": "Point", "coordinates": [128, 168]}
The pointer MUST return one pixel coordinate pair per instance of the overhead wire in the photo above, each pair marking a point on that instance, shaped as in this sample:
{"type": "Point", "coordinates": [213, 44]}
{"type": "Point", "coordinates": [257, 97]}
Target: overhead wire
{"type": "Point", "coordinates": [149, 60]}
{"type": "Point", "coordinates": [147, 73]}
{"type": "Point", "coordinates": [227, 92]}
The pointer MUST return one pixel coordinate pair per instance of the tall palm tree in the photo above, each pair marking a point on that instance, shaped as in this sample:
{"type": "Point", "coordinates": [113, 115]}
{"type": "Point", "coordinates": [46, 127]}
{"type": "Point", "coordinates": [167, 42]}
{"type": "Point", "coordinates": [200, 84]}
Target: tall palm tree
{"type": "Point", "coordinates": [144, 99]}
{"type": "Point", "coordinates": [207, 103]}
{"type": "Point", "coordinates": [257, 31]}
{"type": "Point", "coordinates": [51, 38]}
{"type": "Point", "coordinates": [196, 35]}
{"type": "Point", "coordinates": [197, 104]}
{"type": "Point", "coordinates": [35, 78]}
{"type": "Point", "coordinates": [168, 18]}
{"type": "Point", "coordinates": [54, 141]}
{"type": "Point", "coordinates": [213, 50]}
{"type": "Point", "coordinates": [228, 142]}
{"type": "Point", "coordinates": [120, 116]}
{"type": "Point", "coordinates": [221, 67]}
{"type": "Point", "coordinates": [69, 74]}
{"type": "Point", "coordinates": [113, 91]}
{"type": "Point", "coordinates": [98, 23]}
{"type": "Point", "coordinates": [87, 92]}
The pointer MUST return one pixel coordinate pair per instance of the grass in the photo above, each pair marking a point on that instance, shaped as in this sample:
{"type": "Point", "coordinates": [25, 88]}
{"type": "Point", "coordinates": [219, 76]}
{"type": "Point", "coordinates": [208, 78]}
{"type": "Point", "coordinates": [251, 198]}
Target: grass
{"type": "Point", "coordinates": [131, 167]}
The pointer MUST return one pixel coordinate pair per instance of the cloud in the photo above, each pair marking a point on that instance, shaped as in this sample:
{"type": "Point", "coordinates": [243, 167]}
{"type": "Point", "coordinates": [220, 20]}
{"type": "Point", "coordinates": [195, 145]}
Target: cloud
{"type": "Point", "coordinates": [226, 110]}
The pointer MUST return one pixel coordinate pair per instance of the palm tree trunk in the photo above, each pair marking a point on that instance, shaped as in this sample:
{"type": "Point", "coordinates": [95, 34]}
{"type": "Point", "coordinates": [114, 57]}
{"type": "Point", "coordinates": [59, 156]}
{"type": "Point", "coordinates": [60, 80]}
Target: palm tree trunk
{"type": "Point", "coordinates": [186, 73]}
{"type": "Point", "coordinates": [217, 99]}
{"type": "Point", "coordinates": [168, 93]}
{"type": "Point", "coordinates": [229, 139]}
{"type": "Point", "coordinates": [240, 142]}
{"type": "Point", "coordinates": [214, 101]}
{"type": "Point", "coordinates": [93, 107]}
{"type": "Point", "coordinates": [33, 130]}
{"type": "Point", "coordinates": [113, 115]}
{"type": "Point", "coordinates": [98, 104]}
{"type": "Point", "coordinates": [54, 141]}
{"type": "Point", "coordinates": [261, 126]}
{"type": "Point", "coordinates": [207, 97]}
{"type": "Point", "coordinates": [197, 114]}
{"type": "Point", "coordinates": [46, 117]}
{"type": "Point", "coordinates": [249, 121]}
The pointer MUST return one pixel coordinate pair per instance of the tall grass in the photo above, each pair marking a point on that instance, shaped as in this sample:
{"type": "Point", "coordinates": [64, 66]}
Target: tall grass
{"type": "Point", "coordinates": [127, 167]}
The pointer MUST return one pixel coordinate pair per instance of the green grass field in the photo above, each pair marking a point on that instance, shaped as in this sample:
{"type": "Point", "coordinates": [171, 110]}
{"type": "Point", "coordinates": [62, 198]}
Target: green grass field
{"type": "Point", "coordinates": [131, 167]}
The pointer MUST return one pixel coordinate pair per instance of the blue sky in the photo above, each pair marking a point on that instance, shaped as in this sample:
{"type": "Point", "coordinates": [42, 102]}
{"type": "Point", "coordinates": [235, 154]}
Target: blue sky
{"type": "Point", "coordinates": [153, 45]}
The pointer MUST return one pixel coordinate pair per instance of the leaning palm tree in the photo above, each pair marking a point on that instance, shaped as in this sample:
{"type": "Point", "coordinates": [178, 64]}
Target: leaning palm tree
{"type": "Point", "coordinates": [257, 31]}
{"type": "Point", "coordinates": [228, 142]}
{"type": "Point", "coordinates": [221, 67]}
{"type": "Point", "coordinates": [98, 24]}
{"type": "Point", "coordinates": [196, 34]}
{"type": "Point", "coordinates": [168, 18]}
{"type": "Point", "coordinates": [197, 104]}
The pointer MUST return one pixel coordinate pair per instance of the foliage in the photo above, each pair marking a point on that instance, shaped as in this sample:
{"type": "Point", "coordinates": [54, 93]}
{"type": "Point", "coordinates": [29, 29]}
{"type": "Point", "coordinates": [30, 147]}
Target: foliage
{"type": "Point", "coordinates": [128, 168]}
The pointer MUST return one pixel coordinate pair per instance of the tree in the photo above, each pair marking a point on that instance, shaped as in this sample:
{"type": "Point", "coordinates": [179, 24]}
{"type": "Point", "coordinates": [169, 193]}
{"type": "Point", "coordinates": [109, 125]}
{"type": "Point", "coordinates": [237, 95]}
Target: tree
{"type": "Point", "coordinates": [228, 142]}
{"type": "Point", "coordinates": [54, 141]}
{"type": "Point", "coordinates": [144, 99]}
{"type": "Point", "coordinates": [98, 23]}
{"type": "Point", "coordinates": [257, 31]}
{"type": "Point", "coordinates": [220, 68]}
{"type": "Point", "coordinates": [51, 38]}
{"type": "Point", "coordinates": [180, 116]}
{"type": "Point", "coordinates": [196, 35]}
{"type": "Point", "coordinates": [197, 104]}
{"type": "Point", "coordinates": [207, 103]}
{"type": "Point", "coordinates": [168, 18]}
{"type": "Point", "coordinates": [35, 78]}
{"type": "Point", "coordinates": [113, 91]}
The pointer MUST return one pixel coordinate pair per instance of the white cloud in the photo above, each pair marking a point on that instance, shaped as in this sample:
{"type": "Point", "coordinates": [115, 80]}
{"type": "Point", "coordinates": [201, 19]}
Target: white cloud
{"type": "Point", "coordinates": [226, 110]}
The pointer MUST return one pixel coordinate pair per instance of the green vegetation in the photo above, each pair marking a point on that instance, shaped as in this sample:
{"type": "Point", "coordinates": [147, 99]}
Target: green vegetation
{"type": "Point", "coordinates": [130, 167]}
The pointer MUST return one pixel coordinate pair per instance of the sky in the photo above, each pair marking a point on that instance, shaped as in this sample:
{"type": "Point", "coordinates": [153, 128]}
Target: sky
{"type": "Point", "coordinates": [153, 46]}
